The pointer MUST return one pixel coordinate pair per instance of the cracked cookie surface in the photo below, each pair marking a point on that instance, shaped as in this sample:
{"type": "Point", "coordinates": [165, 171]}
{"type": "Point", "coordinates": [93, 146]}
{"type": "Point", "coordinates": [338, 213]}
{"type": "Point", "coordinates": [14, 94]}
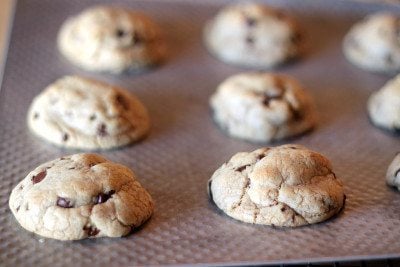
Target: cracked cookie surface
{"type": "Point", "coordinates": [393, 172]}
{"type": "Point", "coordinates": [80, 196]}
{"type": "Point", "coordinates": [76, 112]}
{"type": "Point", "coordinates": [384, 106]}
{"type": "Point", "coordinates": [287, 185]}
{"type": "Point", "coordinates": [111, 39]}
{"type": "Point", "coordinates": [374, 43]}
{"type": "Point", "coordinates": [262, 107]}
{"type": "Point", "coordinates": [253, 35]}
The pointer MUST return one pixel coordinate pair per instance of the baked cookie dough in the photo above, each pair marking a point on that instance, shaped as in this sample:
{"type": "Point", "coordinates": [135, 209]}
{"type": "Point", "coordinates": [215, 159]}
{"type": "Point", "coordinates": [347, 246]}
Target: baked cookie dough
{"type": "Point", "coordinates": [253, 35]}
{"type": "Point", "coordinates": [384, 106]}
{"type": "Point", "coordinates": [110, 39]}
{"type": "Point", "coordinates": [283, 186]}
{"type": "Point", "coordinates": [393, 172]}
{"type": "Point", "coordinates": [373, 43]}
{"type": "Point", "coordinates": [76, 112]}
{"type": "Point", "coordinates": [262, 107]}
{"type": "Point", "coordinates": [80, 196]}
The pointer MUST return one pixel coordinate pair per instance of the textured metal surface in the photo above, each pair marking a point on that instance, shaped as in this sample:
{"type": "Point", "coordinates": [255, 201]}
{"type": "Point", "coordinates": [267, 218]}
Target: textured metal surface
{"type": "Point", "coordinates": [184, 147]}
{"type": "Point", "coordinates": [367, 263]}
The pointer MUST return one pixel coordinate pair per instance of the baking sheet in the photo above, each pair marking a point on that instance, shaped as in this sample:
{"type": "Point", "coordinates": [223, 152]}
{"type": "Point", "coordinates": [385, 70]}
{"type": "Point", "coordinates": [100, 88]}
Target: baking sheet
{"type": "Point", "coordinates": [185, 147]}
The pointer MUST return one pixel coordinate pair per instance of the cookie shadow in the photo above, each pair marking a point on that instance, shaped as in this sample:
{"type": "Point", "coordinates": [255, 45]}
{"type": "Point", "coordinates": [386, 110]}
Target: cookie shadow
{"type": "Point", "coordinates": [221, 213]}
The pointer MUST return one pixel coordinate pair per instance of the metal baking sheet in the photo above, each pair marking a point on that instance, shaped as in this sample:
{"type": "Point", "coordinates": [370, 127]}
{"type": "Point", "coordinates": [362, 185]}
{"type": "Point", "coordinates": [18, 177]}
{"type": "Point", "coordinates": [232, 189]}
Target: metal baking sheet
{"type": "Point", "coordinates": [185, 147]}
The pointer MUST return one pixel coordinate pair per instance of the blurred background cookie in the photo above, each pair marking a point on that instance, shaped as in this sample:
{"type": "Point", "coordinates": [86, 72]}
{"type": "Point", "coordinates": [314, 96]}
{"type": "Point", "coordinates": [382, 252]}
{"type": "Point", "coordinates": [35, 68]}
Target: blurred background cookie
{"type": "Point", "coordinates": [110, 39]}
{"type": "Point", "coordinates": [253, 35]}
{"type": "Point", "coordinates": [384, 106]}
{"type": "Point", "coordinates": [373, 43]}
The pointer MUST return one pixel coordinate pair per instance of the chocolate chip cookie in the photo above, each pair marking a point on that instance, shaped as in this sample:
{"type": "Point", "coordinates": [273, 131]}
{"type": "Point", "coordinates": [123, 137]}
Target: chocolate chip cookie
{"type": "Point", "coordinates": [111, 39]}
{"type": "Point", "coordinates": [80, 196]}
{"type": "Point", "coordinates": [262, 107]}
{"type": "Point", "coordinates": [374, 43]}
{"type": "Point", "coordinates": [253, 35]}
{"type": "Point", "coordinates": [76, 112]}
{"type": "Point", "coordinates": [287, 186]}
{"type": "Point", "coordinates": [384, 106]}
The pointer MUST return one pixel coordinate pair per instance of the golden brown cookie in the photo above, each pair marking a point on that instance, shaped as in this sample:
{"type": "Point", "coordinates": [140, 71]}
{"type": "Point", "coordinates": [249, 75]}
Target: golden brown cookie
{"type": "Point", "coordinates": [287, 185]}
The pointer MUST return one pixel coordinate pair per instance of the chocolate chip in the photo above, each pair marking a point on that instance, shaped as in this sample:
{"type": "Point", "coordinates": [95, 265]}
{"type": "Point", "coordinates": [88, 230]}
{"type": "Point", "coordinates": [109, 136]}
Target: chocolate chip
{"type": "Point", "coordinates": [283, 209]}
{"type": "Point", "coordinates": [260, 157]}
{"type": "Point", "coordinates": [103, 197]}
{"type": "Point", "coordinates": [36, 115]}
{"type": "Point", "coordinates": [251, 21]}
{"type": "Point", "coordinates": [296, 38]}
{"type": "Point", "coordinates": [121, 100]}
{"type": "Point", "coordinates": [293, 147]}
{"type": "Point", "coordinates": [241, 168]}
{"type": "Point", "coordinates": [397, 173]}
{"type": "Point", "coordinates": [21, 187]}
{"type": "Point", "coordinates": [92, 117]}
{"type": "Point", "coordinates": [389, 58]}
{"type": "Point", "coordinates": [136, 39]}
{"type": "Point", "coordinates": [297, 115]}
{"type": "Point", "coordinates": [65, 137]}
{"type": "Point", "coordinates": [120, 33]}
{"type": "Point", "coordinates": [64, 203]}
{"type": "Point", "coordinates": [17, 209]}
{"type": "Point", "coordinates": [267, 99]}
{"type": "Point", "coordinates": [71, 168]}
{"type": "Point", "coordinates": [90, 230]}
{"type": "Point", "coordinates": [39, 177]}
{"type": "Point", "coordinates": [249, 40]}
{"type": "Point", "coordinates": [102, 130]}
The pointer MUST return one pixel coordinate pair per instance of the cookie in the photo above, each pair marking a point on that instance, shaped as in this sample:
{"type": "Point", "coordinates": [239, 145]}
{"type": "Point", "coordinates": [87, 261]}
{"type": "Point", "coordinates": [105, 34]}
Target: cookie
{"type": "Point", "coordinates": [253, 35]}
{"type": "Point", "coordinates": [393, 173]}
{"type": "Point", "coordinates": [110, 39]}
{"type": "Point", "coordinates": [76, 112]}
{"type": "Point", "coordinates": [262, 107]}
{"type": "Point", "coordinates": [384, 106]}
{"type": "Point", "coordinates": [80, 196]}
{"type": "Point", "coordinates": [287, 186]}
{"type": "Point", "coordinates": [373, 43]}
